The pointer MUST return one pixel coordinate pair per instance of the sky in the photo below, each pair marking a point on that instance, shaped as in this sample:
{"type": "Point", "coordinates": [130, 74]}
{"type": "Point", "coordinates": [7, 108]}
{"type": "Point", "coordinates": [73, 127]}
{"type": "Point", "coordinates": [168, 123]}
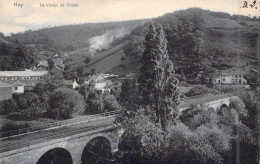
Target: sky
{"type": "Point", "coordinates": [15, 19]}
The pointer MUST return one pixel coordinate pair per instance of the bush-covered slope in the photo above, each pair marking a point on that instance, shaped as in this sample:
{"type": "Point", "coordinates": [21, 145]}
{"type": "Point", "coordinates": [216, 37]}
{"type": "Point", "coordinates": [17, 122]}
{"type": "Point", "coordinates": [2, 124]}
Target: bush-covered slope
{"type": "Point", "coordinates": [14, 57]}
{"type": "Point", "coordinates": [200, 39]}
{"type": "Point", "coordinates": [71, 37]}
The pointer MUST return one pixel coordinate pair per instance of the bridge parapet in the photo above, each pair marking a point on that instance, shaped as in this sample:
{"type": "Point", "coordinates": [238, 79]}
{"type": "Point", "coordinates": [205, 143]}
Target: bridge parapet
{"type": "Point", "coordinates": [57, 124]}
{"type": "Point", "coordinates": [74, 144]}
{"type": "Point", "coordinates": [210, 100]}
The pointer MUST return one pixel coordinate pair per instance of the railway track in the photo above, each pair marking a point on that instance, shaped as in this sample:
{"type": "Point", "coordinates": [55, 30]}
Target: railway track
{"type": "Point", "coordinates": [51, 135]}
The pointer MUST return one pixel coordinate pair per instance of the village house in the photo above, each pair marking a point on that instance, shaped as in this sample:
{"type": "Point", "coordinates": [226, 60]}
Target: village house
{"type": "Point", "coordinates": [71, 84]}
{"type": "Point", "coordinates": [17, 87]}
{"type": "Point", "coordinates": [58, 63]}
{"type": "Point", "coordinates": [5, 91]}
{"type": "Point", "coordinates": [99, 83]}
{"type": "Point", "coordinates": [230, 77]}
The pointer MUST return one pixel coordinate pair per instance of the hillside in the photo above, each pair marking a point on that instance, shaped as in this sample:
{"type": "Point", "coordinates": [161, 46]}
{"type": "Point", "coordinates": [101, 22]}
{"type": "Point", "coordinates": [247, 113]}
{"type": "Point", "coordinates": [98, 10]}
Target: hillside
{"type": "Point", "coordinates": [14, 57]}
{"type": "Point", "coordinates": [72, 37]}
{"type": "Point", "coordinates": [200, 40]}
{"type": "Point", "coordinates": [101, 62]}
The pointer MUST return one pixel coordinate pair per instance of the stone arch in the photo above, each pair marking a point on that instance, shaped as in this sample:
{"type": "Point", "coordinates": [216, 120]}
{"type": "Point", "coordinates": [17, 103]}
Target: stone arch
{"type": "Point", "coordinates": [56, 155]}
{"type": "Point", "coordinates": [97, 150]}
{"type": "Point", "coordinates": [222, 107]}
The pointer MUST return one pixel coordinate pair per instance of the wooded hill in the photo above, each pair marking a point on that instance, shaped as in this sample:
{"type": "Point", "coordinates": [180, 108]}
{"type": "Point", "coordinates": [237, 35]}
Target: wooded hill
{"type": "Point", "coordinates": [197, 40]}
{"type": "Point", "coordinates": [72, 37]}
{"type": "Point", "coordinates": [15, 57]}
{"type": "Point", "coordinates": [201, 40]}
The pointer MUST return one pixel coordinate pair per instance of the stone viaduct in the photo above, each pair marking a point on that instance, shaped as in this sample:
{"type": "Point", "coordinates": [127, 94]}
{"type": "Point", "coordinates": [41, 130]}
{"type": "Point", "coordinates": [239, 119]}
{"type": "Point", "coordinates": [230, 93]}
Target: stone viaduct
{"type": "Point", "coordinates": [75, 144]}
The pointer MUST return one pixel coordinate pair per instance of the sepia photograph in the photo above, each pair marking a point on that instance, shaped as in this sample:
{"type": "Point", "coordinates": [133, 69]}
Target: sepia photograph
{"type": "Point", "coordinates": [129, 82]}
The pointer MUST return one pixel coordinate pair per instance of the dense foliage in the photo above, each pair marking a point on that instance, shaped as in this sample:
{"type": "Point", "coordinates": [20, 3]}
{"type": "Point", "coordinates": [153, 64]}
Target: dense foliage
{"type": "Point", "coordinates": [64, 102]}
{"type": "Point", "coordinates": [197, 135]}
{"type": "Point", "coordinates": [14, 57]}
{"type": "Point", "coordinates": [200, 90]}
{"type": "Point", "coordinates": [198, 40]}
{"type": "Point", "coordinates": [157, 83]}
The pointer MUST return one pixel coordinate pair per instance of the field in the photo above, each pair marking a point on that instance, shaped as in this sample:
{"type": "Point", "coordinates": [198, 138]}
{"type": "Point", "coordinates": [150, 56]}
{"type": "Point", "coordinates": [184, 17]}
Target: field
{"type": "Point", "coordinates": [102, 62]}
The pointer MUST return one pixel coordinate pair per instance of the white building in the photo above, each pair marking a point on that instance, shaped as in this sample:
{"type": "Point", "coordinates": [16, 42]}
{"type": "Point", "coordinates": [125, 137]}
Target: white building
{"type": "Point", "coordinates": [230, 77]}
{"type": "Point", "coordinates": [18, 87]}
{"type": "Point", "coordinates": [99, 83]}
{"type": "Point", "coordinates": [71, 84]}
{"type": "Point", "coordinates": [23, 75]}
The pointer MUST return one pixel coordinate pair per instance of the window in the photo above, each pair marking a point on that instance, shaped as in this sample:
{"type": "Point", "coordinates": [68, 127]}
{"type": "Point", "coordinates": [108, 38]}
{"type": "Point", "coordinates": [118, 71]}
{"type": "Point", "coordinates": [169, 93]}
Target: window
{"type": "Point", "coordinates": [15, 88]}
{"type": "Point", "coordinates": [240, 76]}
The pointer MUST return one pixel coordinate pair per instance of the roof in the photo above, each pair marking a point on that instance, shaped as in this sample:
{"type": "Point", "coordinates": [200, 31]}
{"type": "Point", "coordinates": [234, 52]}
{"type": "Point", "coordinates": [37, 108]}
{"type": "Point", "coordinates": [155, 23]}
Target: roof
{"type": "Point", "coordinates": [28, 83]}
{"type": "Point", "coordinates": [231, 72]}
{"type": "Point", "coordinates": [4, 85]}
{"type": "Point", "coordinates": [95, 77]}
{"type": "Point", "coordinates": [18, 83]}
{"type": "Point", "coordinates": [28, 73]}
{"type": "Point", "coordinates": [68, 82]}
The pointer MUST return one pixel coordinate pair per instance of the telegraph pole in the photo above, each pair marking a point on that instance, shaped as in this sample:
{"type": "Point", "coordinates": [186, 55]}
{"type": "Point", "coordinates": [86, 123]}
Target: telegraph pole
{"type": "Point", "coordinates": [237, 145]}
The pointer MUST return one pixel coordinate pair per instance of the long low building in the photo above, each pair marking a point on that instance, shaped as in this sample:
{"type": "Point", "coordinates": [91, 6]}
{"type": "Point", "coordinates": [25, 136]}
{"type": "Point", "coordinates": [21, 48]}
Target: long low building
{"type": "Point", "coordinates": [5, 91]}
{"type": "Point", "coordinates": [23, 75]}
{"type": "Point", "coordinates": [23, 80]}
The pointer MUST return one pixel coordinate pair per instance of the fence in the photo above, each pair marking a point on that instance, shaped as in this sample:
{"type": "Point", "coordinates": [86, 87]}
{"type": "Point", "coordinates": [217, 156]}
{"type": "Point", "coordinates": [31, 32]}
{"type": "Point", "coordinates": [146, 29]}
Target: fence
{"type": "Point", "coordinates": [57, 124]}
{"type": "Point", "coordinates": [49, 138]}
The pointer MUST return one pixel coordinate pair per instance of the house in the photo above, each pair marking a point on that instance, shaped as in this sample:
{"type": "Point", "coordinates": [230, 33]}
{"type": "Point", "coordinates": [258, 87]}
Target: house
{"type": "Point", "coordinates": [58, 63]}
{"type": "Point", "coordinates": [43, 63]}
{"type": "Point", "coordinates": [17, 87]}
{"type": "Point", "coordinates": [99, 83]}
{"type": "Point", "coordinates": [230, 77]}
{"type": "Point", "coordinates": [71, 84]}
{"type": "Point", "coordinates": [5, 91]}
{"type": "Point", "coordinates": [28, 78]}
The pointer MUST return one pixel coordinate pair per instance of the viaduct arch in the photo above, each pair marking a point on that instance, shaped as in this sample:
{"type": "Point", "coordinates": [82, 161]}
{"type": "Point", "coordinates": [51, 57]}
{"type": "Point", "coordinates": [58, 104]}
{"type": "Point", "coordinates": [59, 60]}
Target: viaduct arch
{"type": "Point", "coordinates": [73, 146]}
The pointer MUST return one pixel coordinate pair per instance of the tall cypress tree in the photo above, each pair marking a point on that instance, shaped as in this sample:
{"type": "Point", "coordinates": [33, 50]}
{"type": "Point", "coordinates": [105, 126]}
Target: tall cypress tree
{"type": "Point", "coordinates": [158, 86]}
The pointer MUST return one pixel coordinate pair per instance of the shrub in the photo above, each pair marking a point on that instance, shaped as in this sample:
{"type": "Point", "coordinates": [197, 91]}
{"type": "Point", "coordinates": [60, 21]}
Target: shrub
{"type": "Point", "coordinates": [8, 106]}
{"type": "Point", "coordinates": [64, 102]}
{"type": "Point", "coordinates": [200, 90]}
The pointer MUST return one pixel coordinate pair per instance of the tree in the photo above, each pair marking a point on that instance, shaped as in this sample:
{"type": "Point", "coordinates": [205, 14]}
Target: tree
{"type": "Point", "coordinates": [87, 60]}
{"type": "Point", "coordinates": [93, 71]}
{"type": "Point", "coordinates": [200, 90]}
{"type": "Point", "coordinates": [64, 102]}
{"type": "Point", "coordinates": [8, 106]}
{"type": "Point", "coordinates": [250, 151]}
{"type": "Point", "coordinates": [110, 103]}
{"type": "Point", "coordinates": [143, 141]}
{"type": "Point", "coordinates": [157, 84]}
{"type": "Point", "coordinates": [128, 96]}
{"type": "Point", "coordinates": [33, 105]}
{"type": "Point", "coordinates": [50, 64]}
{"type": "Point", "coordinates": [95, 103]}
{"type": "Point", "coordinates": [80, 71]}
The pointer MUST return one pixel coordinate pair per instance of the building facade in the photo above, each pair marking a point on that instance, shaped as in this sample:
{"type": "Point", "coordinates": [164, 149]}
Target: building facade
{"type": "Point", "coordinates": [99, 83]}
{"type": "Point", "coordinates": [24, 79]}
{"type": "Point", "coordinates": [230, 77]}
{"type": "Point", "coordinates": [5, 91]}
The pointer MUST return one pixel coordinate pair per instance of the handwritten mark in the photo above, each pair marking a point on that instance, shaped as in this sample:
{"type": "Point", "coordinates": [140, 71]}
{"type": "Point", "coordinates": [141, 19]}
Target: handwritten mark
{"type": "Point", "coordinates": [253, 5]}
